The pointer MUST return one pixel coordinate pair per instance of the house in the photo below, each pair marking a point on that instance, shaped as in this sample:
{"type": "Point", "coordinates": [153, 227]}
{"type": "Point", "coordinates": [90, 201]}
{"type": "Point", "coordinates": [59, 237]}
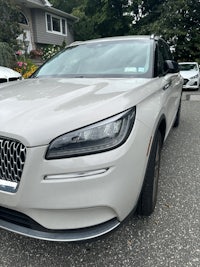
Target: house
{"type": "Point", "coordinates": [43, 24]}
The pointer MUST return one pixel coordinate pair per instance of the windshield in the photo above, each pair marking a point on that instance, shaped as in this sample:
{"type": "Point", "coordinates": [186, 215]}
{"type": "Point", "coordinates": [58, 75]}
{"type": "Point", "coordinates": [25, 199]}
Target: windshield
{"type": "Point", "coordinates": [101, 59]}
{"type": "Point", "coordinates": [188, 67]}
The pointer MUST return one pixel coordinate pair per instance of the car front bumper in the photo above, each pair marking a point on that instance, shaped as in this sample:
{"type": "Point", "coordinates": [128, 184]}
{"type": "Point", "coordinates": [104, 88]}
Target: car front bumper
{"type": "Point", "coordinates": [77, 198]}
{"type": "Point", "coordinates": [191, 84]}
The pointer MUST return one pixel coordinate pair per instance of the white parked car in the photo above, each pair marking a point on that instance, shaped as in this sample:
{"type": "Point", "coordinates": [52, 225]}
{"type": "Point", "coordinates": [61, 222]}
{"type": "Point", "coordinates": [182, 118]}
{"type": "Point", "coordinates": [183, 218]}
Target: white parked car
{"type": "Point", "coordinates": [80, 141]}
{"type": "Point", "coordinates": [190, 72]}
{"type": "Point", "coordinates": [9, 75]}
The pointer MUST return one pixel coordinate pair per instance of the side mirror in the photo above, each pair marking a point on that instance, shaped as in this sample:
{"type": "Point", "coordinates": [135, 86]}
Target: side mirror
{"type": "Point", "coordinates": [171, 66]}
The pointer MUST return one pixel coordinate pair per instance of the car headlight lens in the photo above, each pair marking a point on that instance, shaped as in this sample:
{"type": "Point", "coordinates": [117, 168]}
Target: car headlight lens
{"type": "Point", "coordinates": [194, 77]}
{"type": "Point", "coordinates": [99, 137]}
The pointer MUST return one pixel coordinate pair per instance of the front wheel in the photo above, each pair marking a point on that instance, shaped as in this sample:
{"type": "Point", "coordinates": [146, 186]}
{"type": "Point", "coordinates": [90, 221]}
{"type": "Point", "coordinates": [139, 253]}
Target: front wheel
{"type": "Point", "coordinates": [148, 196]}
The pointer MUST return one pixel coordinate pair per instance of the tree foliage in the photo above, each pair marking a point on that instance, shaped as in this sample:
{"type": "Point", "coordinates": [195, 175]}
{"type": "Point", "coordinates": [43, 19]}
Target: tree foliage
{"type": "Point", "coordinates": [66, 5]}
{"type": "Point", "coordinates": [98, 18]}
{"type": "Point", "coordinates": [102, 18]}
{"type": "Point", "coordinates": [9, 31]}
{"type": "Point", "coordinates": [6, 55]}
{"type": "Point", "coordinates": [9, 27]}
{"type": "Point", "coordinates": [178, 21]}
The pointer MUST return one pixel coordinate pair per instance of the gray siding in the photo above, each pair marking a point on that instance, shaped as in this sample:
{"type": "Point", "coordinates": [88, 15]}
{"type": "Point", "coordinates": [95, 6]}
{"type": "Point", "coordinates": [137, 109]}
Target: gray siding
{"type": "Point", "coordinates": [42, 36]}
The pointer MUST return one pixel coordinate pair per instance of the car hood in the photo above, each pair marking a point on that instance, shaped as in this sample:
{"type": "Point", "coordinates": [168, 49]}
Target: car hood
{"type": "Point", "coordinates": [8, 73]}
{"type": "Point", "coordinates": [35, 111]}
{"type": "Point", "coordinates": [188, 74]}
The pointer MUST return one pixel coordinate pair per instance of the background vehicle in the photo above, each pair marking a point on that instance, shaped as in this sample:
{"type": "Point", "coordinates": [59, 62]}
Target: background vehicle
{"type": "Point", "coordinates": [190, 72]}
{"type": "Point", "coordinates": [81, 140]}
{"type": "Point", "coordinates": [8, 75]}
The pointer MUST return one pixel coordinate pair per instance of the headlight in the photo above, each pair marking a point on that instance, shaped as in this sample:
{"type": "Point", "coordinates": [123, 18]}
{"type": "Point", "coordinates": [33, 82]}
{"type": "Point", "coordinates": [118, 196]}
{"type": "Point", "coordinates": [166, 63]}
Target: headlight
{"type": "Point", "coordinates": [99, 137]}
{"type": "Point", "coordinates": [194, 77]}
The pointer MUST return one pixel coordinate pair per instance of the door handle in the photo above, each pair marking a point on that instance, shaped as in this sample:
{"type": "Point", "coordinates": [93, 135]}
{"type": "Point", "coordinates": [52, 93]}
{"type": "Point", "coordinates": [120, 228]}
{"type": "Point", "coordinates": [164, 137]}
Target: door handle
{"type": "Point", "coordinates": [166, 86]}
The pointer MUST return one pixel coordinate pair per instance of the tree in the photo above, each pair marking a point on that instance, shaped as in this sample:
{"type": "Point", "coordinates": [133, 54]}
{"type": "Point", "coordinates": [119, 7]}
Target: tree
{"type": "Point", "coordinates": [9, 27]}
{"type": "Point", "coordinates": [6, 55]}
{"type": "Point", "coordinates": [9, 30]}
{"type": "Point", "coordinates": [102, 18]}
{"type": "Point", "coordinates": [176, 21]}
{"type": "Point", "coordinates": [66, 5]}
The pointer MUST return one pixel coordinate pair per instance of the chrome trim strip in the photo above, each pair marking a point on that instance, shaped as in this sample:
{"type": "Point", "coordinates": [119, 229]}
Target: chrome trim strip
{"type": "Point", "coordinates": [12, 160]}
{"type": "Point", "coordinates": [63, 236]}
{"type": "Point", "coordinates": [8, 186]}
{"type": "Point", "coordinates": [75, 174]}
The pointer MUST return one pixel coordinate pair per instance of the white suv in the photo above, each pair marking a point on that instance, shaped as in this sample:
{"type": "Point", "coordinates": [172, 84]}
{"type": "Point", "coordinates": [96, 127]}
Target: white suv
{"type": "Point", "coordinates": [80, 141]}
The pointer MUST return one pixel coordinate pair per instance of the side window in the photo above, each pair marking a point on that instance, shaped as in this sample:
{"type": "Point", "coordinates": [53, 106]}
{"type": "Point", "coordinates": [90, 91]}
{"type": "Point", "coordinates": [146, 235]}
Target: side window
{"type": "Point", "coordinates": [163, 53]}
{"type": "Point", "coordinates": [168, 54]}
{"type": "Point", "coordinates": [159, 61]}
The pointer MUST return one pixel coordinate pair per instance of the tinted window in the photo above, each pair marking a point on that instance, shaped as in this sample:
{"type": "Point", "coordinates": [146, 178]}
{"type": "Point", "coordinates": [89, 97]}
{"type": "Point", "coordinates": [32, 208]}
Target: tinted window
{"type": "Point", "coordinates": [162, 53]}
{"type": "Point", "coordinates": [188, 67]}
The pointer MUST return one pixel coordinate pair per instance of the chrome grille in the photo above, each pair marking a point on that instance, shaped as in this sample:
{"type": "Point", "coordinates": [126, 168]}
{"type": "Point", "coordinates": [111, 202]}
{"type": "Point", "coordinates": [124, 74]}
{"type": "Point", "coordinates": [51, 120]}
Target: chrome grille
{"type": "Point", "coordinates": [12, 159]}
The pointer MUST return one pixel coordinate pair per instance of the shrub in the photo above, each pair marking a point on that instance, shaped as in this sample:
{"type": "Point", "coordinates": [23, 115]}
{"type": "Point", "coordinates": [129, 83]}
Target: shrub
{"type": "Point", "coordinates": [9, 26]}
{"type": "Point", "coordinates": [37, 53]}
{"type": "Point", "coordinates": [6, 55]}
{"type": "Point", "coordinates": [49, 51]}
{"type": "Point", "coordinates": [25, 67]}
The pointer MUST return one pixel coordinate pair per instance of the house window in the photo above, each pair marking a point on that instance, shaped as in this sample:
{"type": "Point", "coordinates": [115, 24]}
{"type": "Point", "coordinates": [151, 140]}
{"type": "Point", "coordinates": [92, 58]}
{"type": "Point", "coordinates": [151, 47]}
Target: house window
{"type": "Point", "coordinates": [49, 28]}
{"type": "Point", "coordinates": [56, 24]}
{"type": "Point", "coordinates": [22, 19]}
{"type": "Point", "coordinates": [63, 26]}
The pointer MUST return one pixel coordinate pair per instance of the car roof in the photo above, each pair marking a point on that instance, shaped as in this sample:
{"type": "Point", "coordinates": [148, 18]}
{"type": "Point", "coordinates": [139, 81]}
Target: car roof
{"type": "Point", "coordinates": [118, 38]}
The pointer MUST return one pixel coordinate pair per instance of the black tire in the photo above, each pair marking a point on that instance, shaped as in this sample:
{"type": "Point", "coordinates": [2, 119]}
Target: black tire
{"type": "Point", "coordinates": [178, 114]}
{"type": "Point", "coordinates": [148, 196]}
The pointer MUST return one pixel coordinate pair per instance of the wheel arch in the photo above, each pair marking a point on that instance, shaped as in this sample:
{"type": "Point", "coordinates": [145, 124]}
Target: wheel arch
{"type": "Point", "coordinates": [147, 198]}
{"type": "Point", "coordinates": [162, 127]}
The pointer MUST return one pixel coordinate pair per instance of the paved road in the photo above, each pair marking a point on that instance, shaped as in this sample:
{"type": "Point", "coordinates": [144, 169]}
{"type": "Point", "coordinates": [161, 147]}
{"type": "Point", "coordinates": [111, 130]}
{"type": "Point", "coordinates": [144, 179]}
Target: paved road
{"type": "Point", "coordinates": [169, 238]}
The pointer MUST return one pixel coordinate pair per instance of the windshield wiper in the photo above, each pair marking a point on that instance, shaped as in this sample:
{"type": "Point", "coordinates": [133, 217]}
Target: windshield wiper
{"type": "Point", "coordinates": [79, 76]}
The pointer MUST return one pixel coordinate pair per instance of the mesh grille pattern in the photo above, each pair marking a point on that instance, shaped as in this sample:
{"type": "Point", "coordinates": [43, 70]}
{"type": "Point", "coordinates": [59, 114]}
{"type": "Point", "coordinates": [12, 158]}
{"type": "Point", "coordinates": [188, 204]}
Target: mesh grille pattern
{"type": "Point", "coordinates": [12, 159]}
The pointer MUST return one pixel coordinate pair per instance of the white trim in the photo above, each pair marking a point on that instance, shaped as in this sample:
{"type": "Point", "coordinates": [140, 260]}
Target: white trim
{"type": "Point", "coordinates": [60, 19]}
{"type": "Point", "coordinates": [46, 3]}
{"type": "Point", "coordinates": [28, 38]}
